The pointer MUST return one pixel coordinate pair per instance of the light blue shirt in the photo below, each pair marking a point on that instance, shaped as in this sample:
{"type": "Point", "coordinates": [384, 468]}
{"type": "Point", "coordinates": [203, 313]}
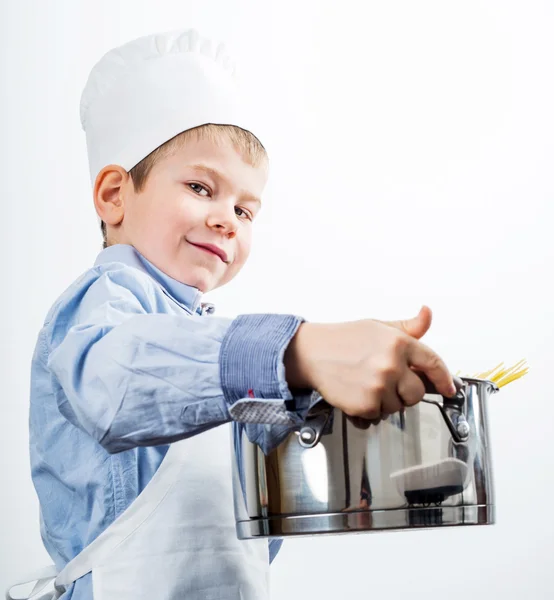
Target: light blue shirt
{"type": "Point", "coordinates": [127, 362]}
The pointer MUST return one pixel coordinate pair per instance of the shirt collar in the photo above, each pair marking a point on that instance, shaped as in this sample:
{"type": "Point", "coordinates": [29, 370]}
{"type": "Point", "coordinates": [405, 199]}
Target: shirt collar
{"type": "Point", "coordinates": [185, 295]}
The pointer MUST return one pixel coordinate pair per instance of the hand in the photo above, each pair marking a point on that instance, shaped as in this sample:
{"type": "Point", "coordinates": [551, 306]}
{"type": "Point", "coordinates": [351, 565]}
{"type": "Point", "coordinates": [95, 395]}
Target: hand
{"type": "Point", "coordinates": [366, 368]}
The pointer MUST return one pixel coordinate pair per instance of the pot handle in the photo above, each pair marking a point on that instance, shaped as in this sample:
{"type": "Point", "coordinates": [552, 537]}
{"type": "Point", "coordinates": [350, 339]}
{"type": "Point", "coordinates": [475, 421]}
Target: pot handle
{"type": "Point", "coordinates": [452, 409]}
{"type": "Point", "coordinates": [457, 400]}
{"type": "Point", "coordinates": [316, 421]}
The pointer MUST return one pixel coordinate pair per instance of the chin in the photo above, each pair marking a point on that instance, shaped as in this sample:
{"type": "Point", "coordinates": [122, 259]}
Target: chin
{"type": "Point", "coordinates": [203, 287]}
{"type": "Point", "coordinates": [202, 282]}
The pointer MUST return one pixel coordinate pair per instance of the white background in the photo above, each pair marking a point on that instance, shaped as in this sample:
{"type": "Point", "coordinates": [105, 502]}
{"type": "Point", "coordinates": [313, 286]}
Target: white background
{"type": "Point", "coordinates": [412, 159]}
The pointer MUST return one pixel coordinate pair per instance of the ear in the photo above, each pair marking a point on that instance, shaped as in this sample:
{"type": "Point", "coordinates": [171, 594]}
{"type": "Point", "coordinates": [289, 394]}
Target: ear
{"type": "Point", "coordinates": [109, 194]}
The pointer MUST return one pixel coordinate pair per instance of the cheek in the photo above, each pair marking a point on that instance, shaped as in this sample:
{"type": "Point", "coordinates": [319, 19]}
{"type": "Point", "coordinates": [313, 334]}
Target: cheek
{"type": "Point", "coordinates": [170, 217]}
{"type": "Point", "coordinates": [156, 224]}
{"type": "Point", "coordinates": [244, 245]}
{"type": "Point", "coordinates": [145, 211]}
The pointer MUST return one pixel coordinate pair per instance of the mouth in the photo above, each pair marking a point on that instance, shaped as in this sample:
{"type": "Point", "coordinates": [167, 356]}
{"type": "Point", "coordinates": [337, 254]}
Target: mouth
{"type": "Point", "coordinates": [213, 250]}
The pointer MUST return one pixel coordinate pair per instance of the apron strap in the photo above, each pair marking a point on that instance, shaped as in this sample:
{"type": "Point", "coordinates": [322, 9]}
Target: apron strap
{"type": "Point", "coordinates": [42, 577]}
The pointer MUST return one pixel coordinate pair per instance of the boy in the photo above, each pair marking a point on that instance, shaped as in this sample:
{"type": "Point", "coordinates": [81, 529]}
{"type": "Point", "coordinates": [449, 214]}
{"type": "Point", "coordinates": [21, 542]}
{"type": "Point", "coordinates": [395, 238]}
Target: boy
{"type": "Point", "coordinates": [131, 378]}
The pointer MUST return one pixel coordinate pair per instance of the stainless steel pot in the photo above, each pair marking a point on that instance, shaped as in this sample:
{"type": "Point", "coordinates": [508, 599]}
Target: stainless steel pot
{"type": "Point", "coordinates": [429, 466]}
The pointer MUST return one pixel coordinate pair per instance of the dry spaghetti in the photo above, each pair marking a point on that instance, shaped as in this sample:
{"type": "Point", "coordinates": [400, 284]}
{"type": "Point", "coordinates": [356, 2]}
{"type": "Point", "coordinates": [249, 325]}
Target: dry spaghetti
{"type": "Point", "coordinates": [502, 376]}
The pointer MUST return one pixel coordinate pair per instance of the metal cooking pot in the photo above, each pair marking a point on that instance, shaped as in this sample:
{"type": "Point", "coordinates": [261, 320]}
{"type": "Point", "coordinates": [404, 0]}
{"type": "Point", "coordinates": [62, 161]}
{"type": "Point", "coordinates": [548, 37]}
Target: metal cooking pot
{"type": "Point", "coordinates": [429, 466]}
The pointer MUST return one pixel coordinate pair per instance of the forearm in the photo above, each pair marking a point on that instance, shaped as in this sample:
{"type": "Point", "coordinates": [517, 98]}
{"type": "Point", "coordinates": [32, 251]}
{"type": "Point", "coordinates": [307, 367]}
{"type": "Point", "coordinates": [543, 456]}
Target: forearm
{"type": "Point", "coordinates": [154, 379]}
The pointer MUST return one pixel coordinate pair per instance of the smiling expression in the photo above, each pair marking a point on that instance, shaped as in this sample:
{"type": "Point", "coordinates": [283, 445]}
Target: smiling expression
{"type": "Point", "coordinates": [193, 218]}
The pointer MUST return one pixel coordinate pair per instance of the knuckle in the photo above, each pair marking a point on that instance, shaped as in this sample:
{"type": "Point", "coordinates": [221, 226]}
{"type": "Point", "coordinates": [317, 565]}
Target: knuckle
{"type": "Point", "coordinates": [371, 413]}
{"type": "Point", "coordinates": [382, 375]}
{"type": "Point", "coordinates": [412, 399]}
{"type": "Point", "coordinates": [365, 408]}
{"type": "Point", "coordinates": [374, 388]}
{"type": "Point", "coordinates": [399, 342]}
{"type": "Point", "coordinates": [386, 369]}
{"type": "Point", "coordinates": [392, 406]}
{"type": "Point", "coordinates": [357, 411]}
{"type": "Point", "coordinates": [435, 361]}
{"type": "Point", "coordinates": [412, 394]}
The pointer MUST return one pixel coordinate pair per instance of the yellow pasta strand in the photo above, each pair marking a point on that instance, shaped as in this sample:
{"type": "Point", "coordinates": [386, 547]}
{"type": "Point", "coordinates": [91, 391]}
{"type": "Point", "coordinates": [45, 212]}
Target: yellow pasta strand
{"type": "Point", "coordinates": [512, 377]}
{"type": "Point", "coordinates": [501, 375]}
{"type": "Point", "coordinates": [506, 372]}
{"type": "Point", "coordinates": [486, 374]}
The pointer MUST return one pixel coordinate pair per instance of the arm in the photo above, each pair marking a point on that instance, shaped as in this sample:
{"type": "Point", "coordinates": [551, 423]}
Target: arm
{"type": "Point", "coordinates": [132, 377]}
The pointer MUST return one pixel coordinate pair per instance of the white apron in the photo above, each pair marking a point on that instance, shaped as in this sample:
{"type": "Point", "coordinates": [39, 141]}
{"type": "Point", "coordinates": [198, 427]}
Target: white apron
{"type": "Point", "coordinates": [177, 540]}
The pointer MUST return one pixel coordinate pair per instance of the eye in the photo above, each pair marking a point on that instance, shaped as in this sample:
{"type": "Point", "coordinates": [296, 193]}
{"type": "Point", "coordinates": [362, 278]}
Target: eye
{"type": "Point", "coordinates": [199, 189]}
{"type": "Point", "coordinates": [240, 212]}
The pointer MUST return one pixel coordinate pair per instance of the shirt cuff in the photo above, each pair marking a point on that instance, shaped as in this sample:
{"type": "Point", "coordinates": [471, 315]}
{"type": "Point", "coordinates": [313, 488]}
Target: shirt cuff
{"type": "Point", "coordinates": [252, 370]}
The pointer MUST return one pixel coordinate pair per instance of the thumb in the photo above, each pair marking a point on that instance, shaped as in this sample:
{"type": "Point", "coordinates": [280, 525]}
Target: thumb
{"type": "Point", "coordinates": [416, 327]}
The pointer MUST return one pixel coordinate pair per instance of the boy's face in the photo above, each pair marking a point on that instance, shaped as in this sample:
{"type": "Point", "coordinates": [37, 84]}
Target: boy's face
{"type": "Point", "coordinates": [193, 217]}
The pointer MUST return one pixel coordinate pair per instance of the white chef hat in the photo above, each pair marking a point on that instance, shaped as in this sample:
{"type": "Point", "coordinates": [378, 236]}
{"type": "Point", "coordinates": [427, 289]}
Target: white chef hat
{"type": "Point", "coordinates": [140, 95]}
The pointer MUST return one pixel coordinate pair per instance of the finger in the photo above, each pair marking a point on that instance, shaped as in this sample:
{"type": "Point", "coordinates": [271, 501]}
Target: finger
{"type": "Point", "coordinates": [416, 327]}
{"type": "Point", "coordinates": [424, 359]}
{"type": "Point", "coordinates": [410, 388]}
{"type": "Point", "coordinates": [391, 402]}
{"type": "Point", "coordinates": [360, 423]}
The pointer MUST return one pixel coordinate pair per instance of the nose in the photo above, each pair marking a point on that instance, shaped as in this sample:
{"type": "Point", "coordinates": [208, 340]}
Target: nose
{"type": "Point", "coordinates": [223, 219]}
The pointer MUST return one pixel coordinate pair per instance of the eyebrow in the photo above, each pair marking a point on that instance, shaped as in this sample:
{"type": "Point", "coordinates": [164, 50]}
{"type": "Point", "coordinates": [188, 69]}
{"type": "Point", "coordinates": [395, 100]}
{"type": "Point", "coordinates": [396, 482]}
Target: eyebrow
{"type": "Point", "coordinates": [247, 196]}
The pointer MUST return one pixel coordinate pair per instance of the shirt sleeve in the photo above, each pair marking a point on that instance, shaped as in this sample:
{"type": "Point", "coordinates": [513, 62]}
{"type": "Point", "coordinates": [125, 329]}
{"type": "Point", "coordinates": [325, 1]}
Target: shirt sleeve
{"type": "Point", "coordinates": [131, 375]}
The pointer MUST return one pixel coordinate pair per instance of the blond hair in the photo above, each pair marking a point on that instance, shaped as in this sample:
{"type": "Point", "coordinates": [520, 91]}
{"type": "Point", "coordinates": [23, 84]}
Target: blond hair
{"type": "Point", "coordinates": [248, 145]}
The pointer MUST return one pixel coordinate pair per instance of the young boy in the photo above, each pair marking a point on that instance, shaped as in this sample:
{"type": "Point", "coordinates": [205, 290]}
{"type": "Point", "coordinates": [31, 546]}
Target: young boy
{"type": "Point", "coordinates": [132, 374]}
